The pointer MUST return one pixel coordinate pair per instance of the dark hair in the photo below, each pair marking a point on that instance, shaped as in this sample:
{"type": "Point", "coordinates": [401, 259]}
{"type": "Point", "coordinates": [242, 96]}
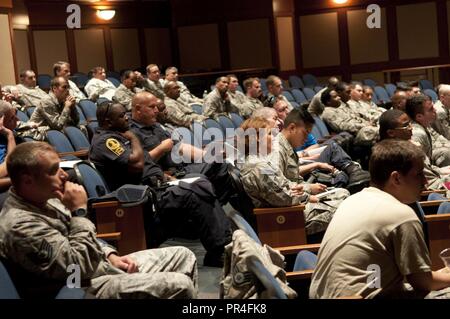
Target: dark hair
{"type": "Point", "coordinates": [414, 106]}
{"type": "Point", "coordinates": [55, 81]}
{"type": "Point", "coordinates": [57, 67]}
{"type": "Point", "coordinates": [24, 159]}
{"type": "Point", "coordinates": [298, 117]}
{"type": "Point", "coordinates": [325, 98]}
{"type": "Point", "coordinates": [125, 75]}
{"type": "Point", "coordinates": [103, 110]}
{"type": "Point", "coordinates": [388, 121]}
{"type": "Point", "coordinates": [392, 155]}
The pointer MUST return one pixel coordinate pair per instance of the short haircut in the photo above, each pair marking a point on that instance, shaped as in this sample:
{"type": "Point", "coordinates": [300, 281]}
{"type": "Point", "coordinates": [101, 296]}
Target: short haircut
{"type": "Point", "coordinates": [263, 112]}
{"type": "Point", "coordinates": [413, 83]}
{"type": "Point", "coordinates": [150, 66]}
{"type": "Point", "coordinates": [220, 79]}
{"type": "Point", "coordinates": [340, 87]}
{"type": "Point", "coordinates": [57, 67]}
{"type": "Point", "coordinates": [388, 121]}
{"type": "Point", "coordinates": [403, 87]}
{"type": "Point", "coordinates": [414, 106]}
{"type": "Point", "coordinates": [97, 69]}
{"type": "Point", "coordinates": [229, 76]}
{"type": "Point", "coordinates": [4, 107]}
{"type": "Point", "coordinates": [367, 87]}
{"type": "Point", "coordinates": [55, 81]}
{"type": "Point", "coordinates": [170, 68]}
{"type": "Point", "coordinates": [24, 159]}
{"type": "Point", "coordinates": [23, 73]}
{"type": "Point", "coordinates": [392, 155]}
{"type": "Point", "coordinates": [102, 110]}
{"type": "Point", "coordinates": [271, 79]}
{"type": "Point", "coordinates": [126, 74]}
{"type": "Point", "coordinates": [332, 82]}
{"type": "Point", "coordinates": [248, 83]}
{"type": "Point", "coordinates": [325, 98]}
{"type": "Point", "coordinates": [298, 117]}
{"type": "Point", "coordinates": [168, 86]}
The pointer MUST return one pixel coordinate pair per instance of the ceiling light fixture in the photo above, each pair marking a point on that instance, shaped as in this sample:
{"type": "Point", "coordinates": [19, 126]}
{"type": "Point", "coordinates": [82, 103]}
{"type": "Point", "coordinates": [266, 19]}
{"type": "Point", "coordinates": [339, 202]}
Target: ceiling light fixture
{"type": "Point", "coordinates": [340, 1]}
{"type": "Point", "coordinates": [106, 14]}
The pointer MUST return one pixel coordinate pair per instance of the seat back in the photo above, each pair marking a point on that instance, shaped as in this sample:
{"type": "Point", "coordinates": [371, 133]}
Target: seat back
{"type": "Point", "coordinates": [309, 93]}
{"type": "Point", "coordinates": [81, 116]}
{"type": "Point", "coordinates": [197, 108]}
{"type": "Point", "coordinates": [390, 88]}
{"type": "Point", "coordinates": [91, 179]}
{"type": "Point", "coordinates": [89, 110]}
{"type": "Point", "coordinates": [80, 79]}
{"type": "Point", "coordinates": [382, 94]}
{"type": "Point", "coordinates": [369, 82]}
{"type": "Point", "coordinates": [78, 140]}
{"type": "Point", "coordinates": [237, 119]}
{"type": "Point", "coordinates": [432, 94]}
{"type": "Point", "coordinates": [242, 224]}
{"type": "Point", "coordinates": [305, 260]}
{"type": "Point", "coordinates": [7, 287]}
{"type": "Point", "coordinates": [426, 84]}
{"type": "Point", "coordinates": [113, 74]}
{"type": "Point", "coordinates": [22, 116]}
{"type": "Point", "coordinates": [318, 88]}
{"type": "Point", "coordinates": [43, 81]}
{"type": "Point", "coordinates": [101, 100]}
{"type": "Point", "coordinates": [321, 126]}
{"type": "Point", "coordinates": [213, 124]}
{"type": "Point", "coordinates": [296, 82]}
{"type": "Point", "coordinates": [30, 110]}
{"type": "Point", "coordinates": [242, 201]}
{"type": "Point", "coordinates": [199, 134]}
{"type": "Point", "coordinates": [59, 141]}
{"type": "Point", "coordinates": [288, 96]}
{"type": "Point", "coordinates": [299, 96]}
{"type": "Point", "coordinates": [263, 84]}
{"type": "Point", "coordinates": [226, 123]}
{"type": "Point", "coordinates": [310, 80]}
{"type": "Point", "coordinates": [184, 135]}
{"type": "Point", "coordinates": [114, 81]}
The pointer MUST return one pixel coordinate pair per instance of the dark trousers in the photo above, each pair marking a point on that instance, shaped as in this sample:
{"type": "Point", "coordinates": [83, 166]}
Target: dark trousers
{"type": "Point", "coordinates": [179, 207]}
{"type": "Point", "coordinates": [334, 155]}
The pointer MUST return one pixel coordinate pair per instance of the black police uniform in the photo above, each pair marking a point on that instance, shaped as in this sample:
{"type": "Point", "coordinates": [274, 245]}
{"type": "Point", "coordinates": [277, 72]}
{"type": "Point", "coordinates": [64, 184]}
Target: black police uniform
{"type": "Point", "coordinates": [217, 173]}
{"type": "Point", "coordinates": [175, 205]}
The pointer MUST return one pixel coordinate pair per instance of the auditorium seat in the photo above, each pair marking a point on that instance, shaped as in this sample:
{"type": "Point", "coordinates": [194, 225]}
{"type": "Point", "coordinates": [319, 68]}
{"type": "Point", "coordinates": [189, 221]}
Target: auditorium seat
{"type": "Point", "coordinates": [369, 82]}
{"type": "Point", "coordinates": [382, 94]}
{"type": "Point", "coordinates": [78, 140]}
{"type": "Point", "coordinates": [432, 94]}
{"type": "Point", "coordinates": [114, 81]}
{"type": "Point", "coordinates": [309, 93]}
{"type": "Point", "coordinates": [197, 108]}
{"type": "Point", "coordinates": [310, 80]}
{"type": "Point", "coordinates": [296, 82]}
{"type": "Point", "coordinates": [390, 88]}
{"type": "Point", "coordinates": [299, 97]}
{"type": "Point", "coordinates": [425, 84]}
{"type": "Point", "coordinates": [43, 81]}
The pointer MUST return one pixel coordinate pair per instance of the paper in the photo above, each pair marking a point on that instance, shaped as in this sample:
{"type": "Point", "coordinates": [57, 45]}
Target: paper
{"type": "Point", "coordinates": [325, 194]}
{"type": "Point", "coordinates": [68, 164]}
{"type": "Point", "coordinates": [316, 150]}
{"type": "Point", "coordinates": [186, 180]}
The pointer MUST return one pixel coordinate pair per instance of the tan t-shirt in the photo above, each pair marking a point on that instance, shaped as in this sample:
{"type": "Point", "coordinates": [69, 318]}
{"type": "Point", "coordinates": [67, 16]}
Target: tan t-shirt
{"type": "Point", "coordinates": [370, 230]}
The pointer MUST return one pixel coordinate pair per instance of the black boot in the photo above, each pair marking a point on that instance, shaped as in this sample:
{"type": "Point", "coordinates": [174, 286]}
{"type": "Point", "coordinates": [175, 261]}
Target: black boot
{"type": "Point", "coordinates": [358, 178]}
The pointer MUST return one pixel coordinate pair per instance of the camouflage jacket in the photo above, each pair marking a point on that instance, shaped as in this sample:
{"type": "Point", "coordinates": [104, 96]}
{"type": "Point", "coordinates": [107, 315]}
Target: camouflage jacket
{"type": "Point", "coordinates": [214, 105]}
{"type": "Point", "coordinates": [442, 123]}
{"type": "Point", "coordinates": [75, 92]}
{"type": "Point", "coordinates": [186, 96]}
{"type": "Point", "coordinates": [28, 96]}
{"type": "Point", "coordinates": [124, 96]}
{"type": "Point", "coordinates": [180, 114]}
{"type": "Point", "coordinates": [422, 136]}
{"type": "Point", "coordinates": [155, 88]}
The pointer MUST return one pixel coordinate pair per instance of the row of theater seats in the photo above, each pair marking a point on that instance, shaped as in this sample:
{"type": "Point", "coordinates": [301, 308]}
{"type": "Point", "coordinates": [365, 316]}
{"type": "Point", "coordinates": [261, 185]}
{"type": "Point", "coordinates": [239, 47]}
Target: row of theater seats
{"type": "Point", "coordinates": [80, 79]}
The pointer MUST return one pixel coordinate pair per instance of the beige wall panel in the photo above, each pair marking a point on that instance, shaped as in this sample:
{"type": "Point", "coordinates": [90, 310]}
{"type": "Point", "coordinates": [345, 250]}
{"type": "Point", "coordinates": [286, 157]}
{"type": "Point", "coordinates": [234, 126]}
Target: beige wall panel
{"type": "Point", "coordinates": [50, 46]}
{"type": "Point", "coordinates": [7, 73]}
{"type": "Point", "coordinates": [249, 43]}
{"type": "Point", "coordinates": [125, 47]}
{"type": "Point", "coordinates": [376, 76]}
{"type": "Point", "coordinates": [22, 50]}
{"type": "Point", "coordinates": [90, 49]}
{"type": "Point", "coordinates": [367, 45]}
{"type": "Point", "coordinates": [285, 38]}
{"type": "Point", "coordinates": [417, 31]}
{"type": "Point", "coordinates": [199, 47]}
{"type": "Point", "coordinates": [158, 46]}
{"type": "Point", "coordinates": [326, 51]}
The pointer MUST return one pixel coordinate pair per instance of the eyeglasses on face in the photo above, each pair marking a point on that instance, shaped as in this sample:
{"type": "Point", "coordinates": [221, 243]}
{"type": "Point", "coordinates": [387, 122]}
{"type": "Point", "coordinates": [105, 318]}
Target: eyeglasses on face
{"type": "Point", "coordinates": [405, 126]}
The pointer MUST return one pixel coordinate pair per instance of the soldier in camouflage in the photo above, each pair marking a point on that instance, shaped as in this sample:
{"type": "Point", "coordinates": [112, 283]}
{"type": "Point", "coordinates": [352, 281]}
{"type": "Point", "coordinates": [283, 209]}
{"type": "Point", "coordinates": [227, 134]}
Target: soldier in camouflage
{"type": "Point", "coordinates": [154, 84]}
{"type": "Point", "coordinates": [186, 96]}
{"type": "Point", "coordinates": [275, 88]}
{"type": "Point", "coordinates": [126, 90]}
{"type": "Point", "coordinates": [218, 102]}
{"type": "Point", "coordinates": [62, 68]}
{"type": "Point", "coordinates": [44, 230]}
{"type": "Point", "coordinates": [254, 93]}
{"type": "Point", "coordinates": [238, 98]}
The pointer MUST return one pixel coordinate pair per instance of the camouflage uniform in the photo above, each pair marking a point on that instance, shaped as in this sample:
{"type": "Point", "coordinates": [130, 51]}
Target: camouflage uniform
{"type": "Point", "coordinates": [246, 105]}
{"type": "Point", "coordinates": [434, 178]}
{"type": "Point", "coordinates": [124, 96]}
{"type": "Point", "coordinates": [365, 110]}
{"type": "Point", "coordinates": [44, 242]}
{"type": "Point", "coordinates": [316, 107]}
{"type": "Point", "coordinates": [155, 88]}
{"type": "Point", "coordinates": [214, 105]}
{"type": "Point", "coordinates": [96, 88]}
{"type": "Point", "coordinates": [271, 97]}
{"type": "Point", "coordinates": [435, 146]}
{"type": "Point", "coordinates": [180, 114]}
{"type": "Point", "coordinates": [75, 92]}
{"type": "Point", "coordinates": [27, 96]}
{"type": "Point", "coordinates": [51, 115]}
{"type": "Point", "coordinates": [186, 96]}
{"type": "Point", "coordinates": [442, 123]}
{"type": "Point", "coordinates": [343, 118]}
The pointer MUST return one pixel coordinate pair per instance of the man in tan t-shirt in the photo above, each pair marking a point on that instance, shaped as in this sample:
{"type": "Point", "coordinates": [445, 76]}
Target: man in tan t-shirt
{"type": "Point", "coordinates": [374, 241]}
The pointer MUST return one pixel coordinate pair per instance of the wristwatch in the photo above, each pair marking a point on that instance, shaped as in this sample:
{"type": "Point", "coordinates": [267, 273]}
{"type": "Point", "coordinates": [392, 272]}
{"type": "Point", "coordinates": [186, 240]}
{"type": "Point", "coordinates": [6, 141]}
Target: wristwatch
{"type": "Point", "coordinates": [80, 212]}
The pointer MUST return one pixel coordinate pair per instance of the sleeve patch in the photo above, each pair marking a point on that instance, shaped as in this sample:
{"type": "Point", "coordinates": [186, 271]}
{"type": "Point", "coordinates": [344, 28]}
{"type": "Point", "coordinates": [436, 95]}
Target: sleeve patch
{"type": "Point", "coordinates": [114, 146]}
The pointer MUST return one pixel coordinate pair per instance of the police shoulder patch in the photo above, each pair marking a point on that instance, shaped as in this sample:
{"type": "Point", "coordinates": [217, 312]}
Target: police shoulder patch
{"type": "Point", "coordinates": [114, 146]}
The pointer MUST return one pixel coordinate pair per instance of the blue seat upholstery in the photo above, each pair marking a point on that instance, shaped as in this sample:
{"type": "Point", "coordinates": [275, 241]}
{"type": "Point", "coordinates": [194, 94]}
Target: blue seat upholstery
{"type": "Point", "coordinates": [318, 88]}
{"type": "Point", "coordinates": [102, 100]}
{"type": "Point", "coordinates": [310, 80]}
{"type": "Point", "coordinates": [43, 81]}
{"type": "Point", "coordinates": [22, 116]}
{"type": "Point", "coordinates": [309, 93]}
{"type": "Point", "coordinates": [91, 179]}
{"type": "Point", "coordinates": [213, 124]}
{"type": "Point", "coordinates": [113, 74]}
{"type": "Point", "coordinates": [237, 119]}
{"type": "Point", "coordinates": [226, 123]}
{"type": "Point", "coordinates": [30, 110]}
{"type": "Point", "coordinates": [78, 140]}
{"type": "Point", "coordinates": [296, 82]}
{"type": "Point", "coordinates": [7, 288]}
{"type": "Point", "coordinates": [197, 108]}
{"type": "Point", "coordinates": [432, 94]}
{"type": "Point", "coordinates": [288, 96]}
{"type": "Point", "coordinates": [299, 96]}
{"type": "Point", "coordinates": [426, 84]}
{"type": "Point", "coordinates": [198, 129]}
{"type": "Point", "coordinates": [89, 109]}
{"type": "Point", "coordinates": [80, 79]}
{"type": "Point", "coordinates": [242, 224]}
{"type": "Point", "coordinates": [382, 94]}
{"type": "Point", "coordinates": [61, 144]}
{"type": "Point", "coordinates": [263, 84]}
{"type": "Point", "coordinates": [390, 88]}
{"type": "Point", "coordinates": [81, 116]}
{"type": "Point", "coordinates": [321, 126]}
{"type": "Point", "coordinates": [114, 81]}
{"type": "Point", "coordinates": [305, 260]}
{"type": "Point", "coordinates": [369, 82]}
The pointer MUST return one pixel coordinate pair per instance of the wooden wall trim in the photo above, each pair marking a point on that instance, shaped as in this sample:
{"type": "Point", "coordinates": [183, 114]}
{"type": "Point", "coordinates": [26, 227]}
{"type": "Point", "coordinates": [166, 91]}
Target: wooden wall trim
{"type": "Point", "coordinates": [71, 50]}
{"type": "Point", "coordinates": [32, 49]}
{"type": "Point", "coordinates": [274, 43]}
{"type": "Point", "coordinates": [344, 46]}
{"type": "Point", "coordinates": [13, 46]}
{"type": "Point", "coordinates": [442, 22]}
{"type": "Point", "coordinates": [142, 46]}
{"type": "Point", "coordinates": [224, 46]}
{"type": "Point", "coordinates": [108, 48]}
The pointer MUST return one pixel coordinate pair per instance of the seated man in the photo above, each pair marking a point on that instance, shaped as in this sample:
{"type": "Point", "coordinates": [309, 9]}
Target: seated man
{"type": "Point", "coordinates": [275, 88]}
{"type": "Point", "coordinates": [422, 113]}
{"type": "Point", "coordinates": [366, 110]}
{"type": "Point", "coordinates": [99, 85]}
{"type": "Point", "coordinates": [154, 84]}
{"type": "Point", "coordinates": [237, 98]}
{"type": "Point", "coordinates": [399, 100]}
{"type": "Point", "coordinates": [117, 153]}
{"type": "Point", "coordinates": [27, 93]}
{"type": "Point", "coordinates": [254, 94]}
{"type": "Point", "coordinates": [126, 90]}
{"type": "Point", "coordinates": [376, 242]}
{"type": "Point", "coordinates": [218, 102]}
{"type": "Point", "coordinates": [55, 112]}
{"type": "Point", "coordinates": [62, 68]}
{"type": "Point", "coordinates": [44, 229]}
{"type": "Point", "coordinates": [442, 106]}
{"type": "Point", "coordinates": [186, 96]}
{"type": "Point", "coordinates": [179, 113]}
{"type": "Point", "coordinates": [316, 107]}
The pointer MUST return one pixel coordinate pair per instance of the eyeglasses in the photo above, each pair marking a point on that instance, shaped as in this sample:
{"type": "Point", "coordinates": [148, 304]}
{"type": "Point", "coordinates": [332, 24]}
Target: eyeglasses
{"type": "Point", "coordinates": [406, 126]}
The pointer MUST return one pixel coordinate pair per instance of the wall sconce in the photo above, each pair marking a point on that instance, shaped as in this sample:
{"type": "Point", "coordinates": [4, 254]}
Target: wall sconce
{"type": "Point", "coordinates": [106, 14]}
{"type": "Point", "coordinates": [340, 1]}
